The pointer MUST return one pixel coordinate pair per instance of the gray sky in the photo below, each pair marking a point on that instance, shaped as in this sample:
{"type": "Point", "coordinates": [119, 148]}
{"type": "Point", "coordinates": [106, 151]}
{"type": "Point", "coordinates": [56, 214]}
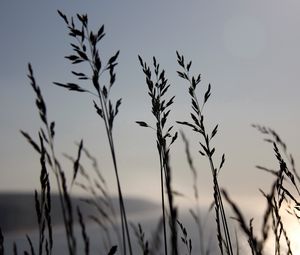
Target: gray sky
{"type": "Point", "coordinates": [248, 50]}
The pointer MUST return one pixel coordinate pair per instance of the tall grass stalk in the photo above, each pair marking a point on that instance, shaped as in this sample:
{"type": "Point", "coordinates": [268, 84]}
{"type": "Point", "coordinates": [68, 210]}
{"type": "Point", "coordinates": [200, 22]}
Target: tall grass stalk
{"type": "Point", "coordinates": [43, 205]}
{"type": "Point", "coordinates": [206, 150]}
{"type": "Point", "coordinates": [157, 88]}
{"type": "Point", "coordinates": [86, 50]}
{"type": "Point", "coordinates": [48, 137]}
{"type": "Point", "coordinates": [195, 213]}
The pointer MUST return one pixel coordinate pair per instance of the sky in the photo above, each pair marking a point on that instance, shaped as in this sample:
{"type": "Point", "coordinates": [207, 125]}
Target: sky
{"type": "Point", "coordinates": [248, 51]}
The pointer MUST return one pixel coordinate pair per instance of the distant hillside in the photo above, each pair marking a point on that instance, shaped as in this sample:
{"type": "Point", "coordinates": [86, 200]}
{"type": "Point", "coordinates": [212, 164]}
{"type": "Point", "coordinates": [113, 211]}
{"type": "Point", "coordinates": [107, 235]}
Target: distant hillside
{"type": "Point", "coordinates": [17, 210]}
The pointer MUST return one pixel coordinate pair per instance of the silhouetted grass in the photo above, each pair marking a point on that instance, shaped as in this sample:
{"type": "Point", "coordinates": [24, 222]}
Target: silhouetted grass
{"type": "Point", "coordinates": [198, 126]}
{"type": "Point", "coordinates": [279, 200]}
{"type": "Point", "coordinates": [157, 88]}
{"type": "Point", "coordinates": [195, 213]}
{"type": "Point", "coordinates": [43, 207]}
{"type": "Point", "coordinates": [85, 50]}
{"type": "Point", "coordinates": [46, 136]}
{"type": "Point", "coordinates": [282, 197]}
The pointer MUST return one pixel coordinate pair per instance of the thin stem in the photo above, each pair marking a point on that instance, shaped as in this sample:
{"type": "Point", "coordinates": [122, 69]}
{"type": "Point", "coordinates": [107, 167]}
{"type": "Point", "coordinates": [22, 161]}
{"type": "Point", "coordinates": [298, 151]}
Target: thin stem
{"type": "Point", "coordinates": [109, 140]}
{"type": "Point", "coordinates": [162, 171]}
{"type": "Point", "coordinates": [223, 215]}
{"type": "Point", "coordinates": [121, 203]}
{"type": "Point", "coordinates": [121, 196]}
{"type": "Point", "coordinates": [166, 171]}
{"type": "Point", "coordinates": [218, 199]}
{"type": "Point", "coordinates": [56, 171]}
{"type": "Point", "coordinates": [163, 202]}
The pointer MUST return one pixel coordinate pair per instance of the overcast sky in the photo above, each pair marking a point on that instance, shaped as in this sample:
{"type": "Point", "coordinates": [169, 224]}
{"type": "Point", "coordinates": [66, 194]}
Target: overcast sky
{"type": "Point", "coordinates": [248, 51]}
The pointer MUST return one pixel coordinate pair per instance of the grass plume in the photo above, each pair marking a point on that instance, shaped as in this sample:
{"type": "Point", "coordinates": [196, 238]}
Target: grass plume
{"type": "Point", "coordinates": [85, 50]}
{"type": "Point", "coordinates": [157, 88]}
{"type": "Point", "coordinates": [206, 149]}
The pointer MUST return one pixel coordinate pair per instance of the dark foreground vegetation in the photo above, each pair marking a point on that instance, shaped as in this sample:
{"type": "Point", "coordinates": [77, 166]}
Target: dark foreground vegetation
{"type": "Point", "coordinates": [173, 236]}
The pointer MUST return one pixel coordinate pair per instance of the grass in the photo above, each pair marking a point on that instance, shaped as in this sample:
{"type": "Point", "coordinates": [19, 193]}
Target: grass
{"type": "Point", "coordinates": [86, 50]}
{"type": "Point", "coordinates": [157, 90]}
{"type": "Point", "coordinates": [207, 150]}
{"type": "Point", "coordinates": [282, 196]}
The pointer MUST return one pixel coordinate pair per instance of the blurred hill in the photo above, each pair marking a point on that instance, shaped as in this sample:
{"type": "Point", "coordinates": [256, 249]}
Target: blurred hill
{"type": "Point", "coordinates": [17, 210]}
